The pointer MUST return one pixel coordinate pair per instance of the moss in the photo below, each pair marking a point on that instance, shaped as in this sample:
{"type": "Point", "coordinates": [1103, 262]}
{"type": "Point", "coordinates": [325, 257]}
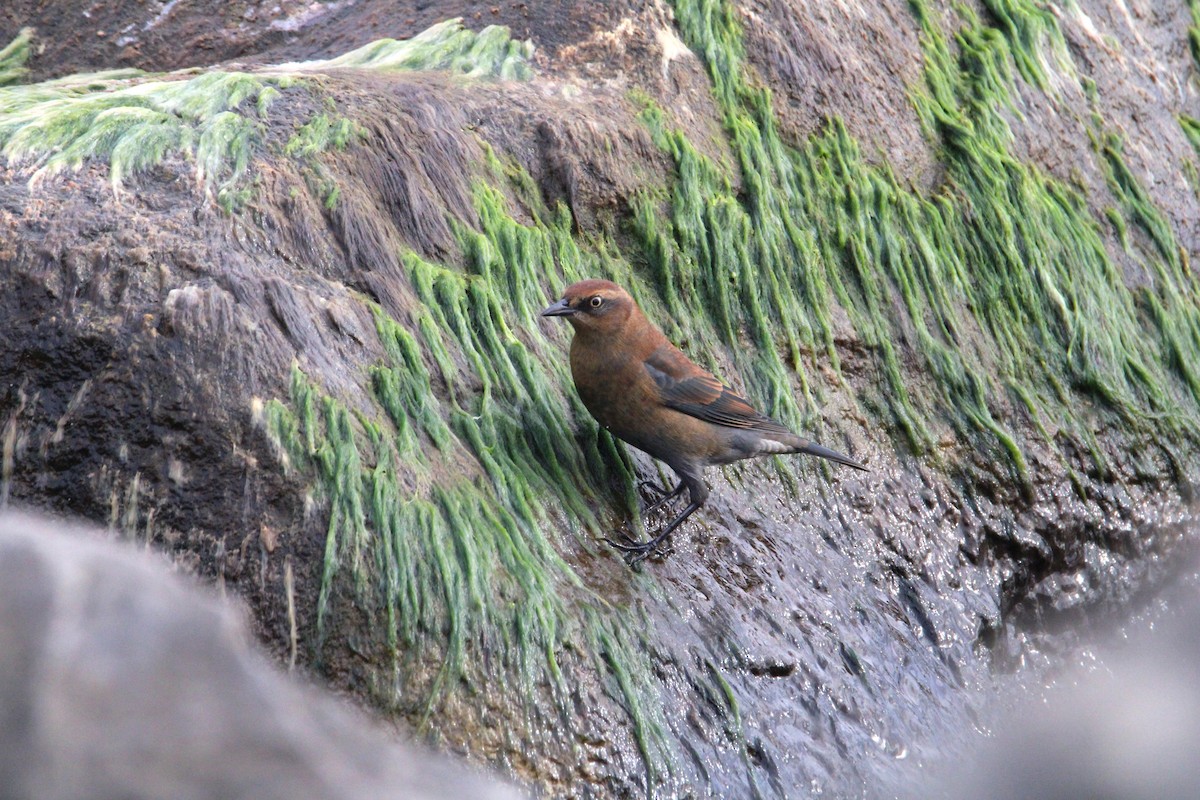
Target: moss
{"type": "Point", "coordinates": [1001, 277]}
{"type": "Point", "coordinates": [458, 564]}
{"type": "Point", "coordinates": [13, 57]}
{"type": "Point", "coordinates": [132, 122]}
{"type": "Point", "coordinates": [448, 46]}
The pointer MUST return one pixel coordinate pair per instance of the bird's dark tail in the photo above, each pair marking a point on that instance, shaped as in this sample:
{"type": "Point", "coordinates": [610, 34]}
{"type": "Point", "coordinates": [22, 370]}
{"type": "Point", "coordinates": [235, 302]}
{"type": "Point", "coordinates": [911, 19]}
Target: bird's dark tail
{"type": "Point", "coordinates": [833, 455]}
{"type": "Point", "coordinates": [805, 446]}
{"type": "Point", "coordinates": [783, 442]}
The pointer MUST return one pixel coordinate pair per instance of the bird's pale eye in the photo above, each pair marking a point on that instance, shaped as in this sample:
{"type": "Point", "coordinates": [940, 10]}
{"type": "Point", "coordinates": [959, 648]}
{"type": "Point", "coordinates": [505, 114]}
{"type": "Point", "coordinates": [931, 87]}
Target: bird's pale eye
{"type": "Point", "coordinates": [596, 302]}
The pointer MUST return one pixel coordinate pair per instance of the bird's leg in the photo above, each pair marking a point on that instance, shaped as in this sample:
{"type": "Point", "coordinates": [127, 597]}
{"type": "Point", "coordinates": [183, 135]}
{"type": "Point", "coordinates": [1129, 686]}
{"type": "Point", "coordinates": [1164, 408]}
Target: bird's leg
{"type": "Point", "coordinates": [666, 498]}
{"type": "Point", "coordinates": [697, 491]}
{"type": "Point", "coordinates": [629, 541]}
{"type": "Point", "coordinates": [637, 553]}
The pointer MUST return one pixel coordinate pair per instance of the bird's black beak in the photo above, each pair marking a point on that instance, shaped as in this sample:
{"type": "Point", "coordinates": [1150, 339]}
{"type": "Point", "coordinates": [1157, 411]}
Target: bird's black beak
{"type": "Point", "coordinates": [559, 309]}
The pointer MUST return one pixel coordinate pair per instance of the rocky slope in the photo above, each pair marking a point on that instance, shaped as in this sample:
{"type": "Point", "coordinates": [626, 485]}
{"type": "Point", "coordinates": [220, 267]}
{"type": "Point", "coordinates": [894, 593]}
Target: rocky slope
{"type": "Point", "coordinates": [279, 318]}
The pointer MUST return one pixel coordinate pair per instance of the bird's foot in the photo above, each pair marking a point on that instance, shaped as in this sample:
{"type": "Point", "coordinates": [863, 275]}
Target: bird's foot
{"type": "Point", "coordinates": [651, 488]}
{"type": "Point", "coordinates": [635, 551]}
{"type": "Point", "coordinates": [624, 541]}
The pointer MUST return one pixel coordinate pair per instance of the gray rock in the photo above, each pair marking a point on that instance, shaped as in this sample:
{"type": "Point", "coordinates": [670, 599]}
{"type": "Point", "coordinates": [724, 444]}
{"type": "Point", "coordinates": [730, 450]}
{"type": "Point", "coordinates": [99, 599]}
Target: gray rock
{"type": "Point", "coordinates": [118, 680]}
{"type": "Point", "coordinates": [1127, 730]}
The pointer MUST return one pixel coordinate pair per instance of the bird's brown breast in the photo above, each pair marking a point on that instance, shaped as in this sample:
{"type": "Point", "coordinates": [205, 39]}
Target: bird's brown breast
{"type": "Point", "coordinates": [613, 382]}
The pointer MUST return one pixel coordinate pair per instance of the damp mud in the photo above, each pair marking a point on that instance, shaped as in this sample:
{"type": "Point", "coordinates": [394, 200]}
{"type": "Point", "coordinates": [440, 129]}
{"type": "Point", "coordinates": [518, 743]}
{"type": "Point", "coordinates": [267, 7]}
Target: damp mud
{"type": "Point", "coordinates": [271, 282]}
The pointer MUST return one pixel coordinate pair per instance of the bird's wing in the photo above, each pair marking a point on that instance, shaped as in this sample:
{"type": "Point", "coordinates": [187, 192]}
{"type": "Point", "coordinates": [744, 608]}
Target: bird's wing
{"type": "Point", "coordinates": [686, 387]}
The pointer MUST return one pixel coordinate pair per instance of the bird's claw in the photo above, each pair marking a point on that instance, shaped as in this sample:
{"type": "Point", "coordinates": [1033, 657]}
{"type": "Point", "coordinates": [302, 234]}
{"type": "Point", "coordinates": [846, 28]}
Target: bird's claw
{"type": "Point", "coordinates": [628, 545]}
{"type": "Point", "coordinates": [635, 551]}
{"type": "Point", "coordinates": [633, 559]}
{"type": "Point", "coordinates": [652, 486]}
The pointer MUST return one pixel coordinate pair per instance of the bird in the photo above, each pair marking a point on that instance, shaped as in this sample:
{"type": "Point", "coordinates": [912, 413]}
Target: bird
{"type": "Point", "coordinates": [642, 389]}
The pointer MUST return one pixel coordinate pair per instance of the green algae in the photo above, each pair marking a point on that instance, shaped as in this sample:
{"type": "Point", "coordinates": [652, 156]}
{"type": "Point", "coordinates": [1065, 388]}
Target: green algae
{"type": "Point", "coordinates": [1007, 292]}
{"type": "Point", "coordinates": [1035, 42]}
{"type": "Point", "coordinates": [1193, 32]}
{"type": "Point", "coordinates": [447, 46]}
{"type": "Point", "coordinates": [454, 567]}
{"type": "Point", "coordinates": [443, 494]}
{"type": "Point", "coordinates": [441, 502]}
{"type": "Point", "coordinates": [725, 698]}
{"type": "Point", "coordinates": [131, 121]}
{"type": "Point", "coordinates": [13, 57]}
{"type": "Point", "coordinates": [323, 133]}
{"type": "Point", "coordinates": [1173, 298]}
{"type": "Point", "coordinates": [1191, 129]}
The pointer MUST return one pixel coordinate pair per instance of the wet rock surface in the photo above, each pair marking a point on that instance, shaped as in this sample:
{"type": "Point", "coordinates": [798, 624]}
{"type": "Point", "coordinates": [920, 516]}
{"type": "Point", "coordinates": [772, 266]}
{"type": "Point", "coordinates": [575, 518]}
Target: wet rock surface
{"type": "Point", "coordinates": [827, 633]}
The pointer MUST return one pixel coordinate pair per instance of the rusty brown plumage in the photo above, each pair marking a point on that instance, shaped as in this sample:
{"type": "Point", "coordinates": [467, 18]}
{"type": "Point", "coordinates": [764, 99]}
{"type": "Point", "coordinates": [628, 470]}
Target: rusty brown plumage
{"type": "Point", "coordinates": [645, 391]}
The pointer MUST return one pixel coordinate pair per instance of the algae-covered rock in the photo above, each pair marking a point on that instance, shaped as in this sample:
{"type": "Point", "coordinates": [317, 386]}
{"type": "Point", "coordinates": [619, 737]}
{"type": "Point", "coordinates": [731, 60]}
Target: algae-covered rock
{"type": "Point", "coordinates": [278, 318]}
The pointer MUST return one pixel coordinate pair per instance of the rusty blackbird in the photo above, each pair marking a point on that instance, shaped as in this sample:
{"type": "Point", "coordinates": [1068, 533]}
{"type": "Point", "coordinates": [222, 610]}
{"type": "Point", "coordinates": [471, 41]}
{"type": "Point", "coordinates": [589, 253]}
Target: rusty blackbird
{"type": "Point", "coordinates": [645, 391]}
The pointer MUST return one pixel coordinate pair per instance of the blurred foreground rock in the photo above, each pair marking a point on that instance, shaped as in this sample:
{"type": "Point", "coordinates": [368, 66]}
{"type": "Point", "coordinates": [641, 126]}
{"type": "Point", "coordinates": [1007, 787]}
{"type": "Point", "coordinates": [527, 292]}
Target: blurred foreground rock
{"type": "Point", "coordinates": [1128, 731]}
{"type": "Point", "coordinates": [118, 680]}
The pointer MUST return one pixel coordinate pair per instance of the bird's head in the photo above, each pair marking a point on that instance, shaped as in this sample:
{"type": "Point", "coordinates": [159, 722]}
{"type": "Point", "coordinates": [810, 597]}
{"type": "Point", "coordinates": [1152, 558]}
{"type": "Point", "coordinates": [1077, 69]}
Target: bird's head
{"type": "Point", "coordinates": [593, 307]}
